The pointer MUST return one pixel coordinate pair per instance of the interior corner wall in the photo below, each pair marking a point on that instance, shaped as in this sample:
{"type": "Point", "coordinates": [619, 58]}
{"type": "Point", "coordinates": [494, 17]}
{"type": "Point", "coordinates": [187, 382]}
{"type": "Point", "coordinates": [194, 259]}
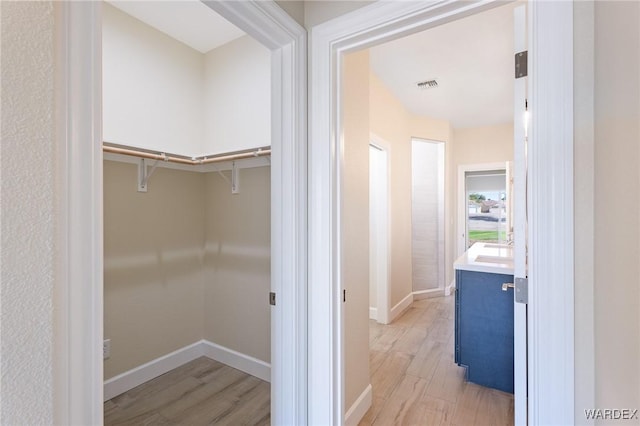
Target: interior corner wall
{"type": "Point", "coordinates": [391, 122]}
{"type": "Point", "coordinates": [237, 97]}
{"type": "Point", "coordinates": [28, 214]}
{"type": "Point", "coordinates": [355, 223]}
{"type": "Point", "coordinates": [160, 94]}
{"type": "Point", "coordinates": [617, 203]}
{"type": "Point", "coordinates": [153, 269]}
{"type": "Point", "coordinates": [152, 87]}
{"type": "Point", "coordinates": [237, 263]}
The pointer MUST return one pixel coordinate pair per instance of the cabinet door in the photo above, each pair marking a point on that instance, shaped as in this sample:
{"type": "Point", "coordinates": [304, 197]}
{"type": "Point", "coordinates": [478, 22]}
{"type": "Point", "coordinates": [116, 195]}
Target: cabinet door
{"type": "Point", "coordinates": [485, 329]}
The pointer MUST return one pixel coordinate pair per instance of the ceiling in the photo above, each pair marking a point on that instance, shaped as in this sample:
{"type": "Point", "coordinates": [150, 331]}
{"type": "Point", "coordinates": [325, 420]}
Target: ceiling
{"type": "Point", "coordinates": [472, 60]}
{"type": "Point", "coordinates": [189, 21]}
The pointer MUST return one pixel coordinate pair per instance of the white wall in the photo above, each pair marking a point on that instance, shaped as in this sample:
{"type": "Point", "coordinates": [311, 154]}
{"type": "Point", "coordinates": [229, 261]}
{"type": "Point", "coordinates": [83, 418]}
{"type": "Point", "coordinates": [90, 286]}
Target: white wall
{"type": "Point", "coordinates": [152, 87]}
{"type": "Point", "coordinates": [237, 97]}
{"type": "Point", "coordinates": [162, 95]}
{"type": "Point", "coordinates": [153, 264]}
{"type": "Point", "coordinates": [28, 213]}
{"type": "Point", "coordinates": [617, 201]}
{"type": "Point", "coordinates": [237, 263]}
{"type": "Point", "coordinates": [355, 224]}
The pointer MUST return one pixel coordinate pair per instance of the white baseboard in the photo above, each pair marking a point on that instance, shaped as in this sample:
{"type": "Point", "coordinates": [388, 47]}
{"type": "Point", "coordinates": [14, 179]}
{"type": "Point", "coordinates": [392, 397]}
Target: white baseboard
{"type": "Point", "coordinates": [359, 408]}
{"type": "Point", "coordinates": [373, 313]}
{"type": "Point", "coordinates": [150, 370]}
{"type": "Point", "coordinates": [157, 367]}
{"type": "Point", "coordinates": [427, 294]}
{"type": "Point", "coordinates": [402, 306]}
{"type": "Point", "coordinates": [240, 361]}
{"type": "Point", "coordinates": [448, 291]}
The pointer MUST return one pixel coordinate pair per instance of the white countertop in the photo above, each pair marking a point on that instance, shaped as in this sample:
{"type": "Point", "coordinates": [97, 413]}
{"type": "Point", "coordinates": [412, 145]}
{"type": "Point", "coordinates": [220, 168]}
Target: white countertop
{"type": "Point", "coordinates": [487, 257]}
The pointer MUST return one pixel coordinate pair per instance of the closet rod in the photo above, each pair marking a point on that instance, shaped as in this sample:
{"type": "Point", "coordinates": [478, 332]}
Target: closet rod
{"type": "Point", "coordinates": [260, 152]}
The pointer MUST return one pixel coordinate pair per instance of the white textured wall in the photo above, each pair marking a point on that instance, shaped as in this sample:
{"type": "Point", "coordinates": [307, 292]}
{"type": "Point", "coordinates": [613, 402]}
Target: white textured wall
{"type": "Point", "coordinates": [617, 201]}
{"type": "Point", "coordinates": [237, 97]}
{"type": "Point", "coordinates": [152, 87]}
{"type": "Point", "coordinates": [27, 213]}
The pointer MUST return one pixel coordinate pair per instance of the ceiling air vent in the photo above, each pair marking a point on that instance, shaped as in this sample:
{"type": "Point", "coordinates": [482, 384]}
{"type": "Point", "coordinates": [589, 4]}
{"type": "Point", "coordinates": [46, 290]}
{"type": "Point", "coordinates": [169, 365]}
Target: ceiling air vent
{"type": "Point", "coordinates": [427, 84]}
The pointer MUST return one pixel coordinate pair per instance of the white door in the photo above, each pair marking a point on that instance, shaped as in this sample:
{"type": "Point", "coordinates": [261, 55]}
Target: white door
{"type": "Point", "coordinates": [378, 234]}
{"type": "Point", "coordinates": [520, 223]}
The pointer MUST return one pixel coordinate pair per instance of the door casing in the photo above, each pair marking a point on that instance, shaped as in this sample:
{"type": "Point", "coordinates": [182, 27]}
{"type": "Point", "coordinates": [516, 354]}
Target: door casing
{"type": "Point", "coordinates": [78, 320]}
{"type": "Point", "coordinates": [551, 295]}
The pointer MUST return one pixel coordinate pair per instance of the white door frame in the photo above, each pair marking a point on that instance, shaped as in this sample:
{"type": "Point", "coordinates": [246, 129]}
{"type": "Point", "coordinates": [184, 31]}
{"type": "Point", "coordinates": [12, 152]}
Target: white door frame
{"type": "Point", "coordinates": [382, 291]}
{"type": "Point", "coordinates": [461, 230]}
{"type": "Point", "coordinates": [551, 328]}
{"type": "Point", "coordinates": [78, 293]}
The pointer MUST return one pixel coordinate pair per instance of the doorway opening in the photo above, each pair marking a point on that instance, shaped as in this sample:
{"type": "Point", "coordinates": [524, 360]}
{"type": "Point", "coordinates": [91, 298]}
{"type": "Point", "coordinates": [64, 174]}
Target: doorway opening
{"type": "Point", "coordinates": [80, 389]}
{"type": "Point", "coordinates": [549, 165]}
{"type": "Point", "coordinates": [187, 247]}
{"type": "Point", "coordinates": [423, 129]}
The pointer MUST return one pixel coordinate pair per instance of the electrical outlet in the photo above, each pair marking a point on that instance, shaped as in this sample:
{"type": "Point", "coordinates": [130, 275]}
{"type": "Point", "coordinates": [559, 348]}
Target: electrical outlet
{"type": "Point", "coordinates": [106, 349]}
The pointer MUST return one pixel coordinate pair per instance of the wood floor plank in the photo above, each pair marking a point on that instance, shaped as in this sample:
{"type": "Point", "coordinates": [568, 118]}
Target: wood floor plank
{"type": "Point", "coordinates": [467, 405]}
{"type": "Point", "coordinates": [424, 366]}
{"type": "Point", "coordinates": [404, 404]}
{"type": "Point", "coordinates": [205, 398]}
{"type": "Point", "coordinates": [388, 338]}
{"type": "Point", "coordinates": [431, 390]}
{"type": "Point", "coordinates": [448, 380]}
{"type": "Point", "coordinates": [372, 413]}
{"type": "Point", "coordinates": [201, 392]}
{"type": "Point", "coordinates": [410, 341]}
{"type": "Point", "coordinates": [408, 318]}
{"type": "Point", "coordinates": [390, 373]}
{"type": "Point", "coordinates": [376, 358]}
{"type": "Point", "coordinates": [145, 405]}
{"type": "Point", "coordinates": [440, 409]}
{"type": "Point", "coordinates": [495, 408]}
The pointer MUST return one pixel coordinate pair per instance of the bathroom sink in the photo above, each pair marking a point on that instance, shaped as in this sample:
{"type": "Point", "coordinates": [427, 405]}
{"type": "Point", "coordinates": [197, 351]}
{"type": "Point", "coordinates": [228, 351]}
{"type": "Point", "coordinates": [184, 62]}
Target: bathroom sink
{"type": "Point", "coordinates": [493, 259]}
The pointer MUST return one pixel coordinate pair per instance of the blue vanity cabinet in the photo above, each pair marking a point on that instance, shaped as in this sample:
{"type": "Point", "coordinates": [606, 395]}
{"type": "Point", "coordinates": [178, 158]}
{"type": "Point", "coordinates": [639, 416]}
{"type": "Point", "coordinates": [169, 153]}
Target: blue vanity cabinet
{"type": "Point", "coordinates": [484, 328]}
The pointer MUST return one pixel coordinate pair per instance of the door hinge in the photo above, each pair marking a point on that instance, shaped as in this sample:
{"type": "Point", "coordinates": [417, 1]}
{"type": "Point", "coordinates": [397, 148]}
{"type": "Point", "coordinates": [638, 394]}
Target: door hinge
{"type": "Point", "coordinates": [522, 290]}
{"type": "Point", "coordinates": [521, 64]}
{"type": "Point", "coordinates": [272, 299]}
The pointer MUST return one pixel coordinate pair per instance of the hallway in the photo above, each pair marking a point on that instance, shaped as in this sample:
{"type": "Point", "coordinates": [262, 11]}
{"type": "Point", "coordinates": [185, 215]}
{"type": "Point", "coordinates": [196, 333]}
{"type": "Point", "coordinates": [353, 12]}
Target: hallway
{"type": "Point", "coordinates": [415, 380]}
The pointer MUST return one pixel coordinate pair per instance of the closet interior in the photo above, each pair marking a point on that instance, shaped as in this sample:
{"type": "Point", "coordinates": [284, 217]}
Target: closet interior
{"type": "Point", "coordinates": [186, 129]}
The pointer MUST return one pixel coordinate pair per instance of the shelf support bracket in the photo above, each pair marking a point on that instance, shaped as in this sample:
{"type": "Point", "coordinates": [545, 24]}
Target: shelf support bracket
{"type": "Point", "coordinates": [235, 178]}
{"type": "Point", "coordinates": [144, 174]}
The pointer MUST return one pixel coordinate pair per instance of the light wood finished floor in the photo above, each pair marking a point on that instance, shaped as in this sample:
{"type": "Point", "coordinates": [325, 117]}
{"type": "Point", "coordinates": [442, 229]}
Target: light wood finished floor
{"type": "Point", "coordinates": [202, 392]}
{"type": "Point", "coordinates": [415, 380]}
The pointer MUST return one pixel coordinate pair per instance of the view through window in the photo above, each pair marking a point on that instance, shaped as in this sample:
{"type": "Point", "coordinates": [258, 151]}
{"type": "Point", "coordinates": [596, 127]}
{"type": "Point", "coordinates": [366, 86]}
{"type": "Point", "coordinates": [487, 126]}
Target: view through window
{"type": "Point", "coordinates": [486, 207]}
